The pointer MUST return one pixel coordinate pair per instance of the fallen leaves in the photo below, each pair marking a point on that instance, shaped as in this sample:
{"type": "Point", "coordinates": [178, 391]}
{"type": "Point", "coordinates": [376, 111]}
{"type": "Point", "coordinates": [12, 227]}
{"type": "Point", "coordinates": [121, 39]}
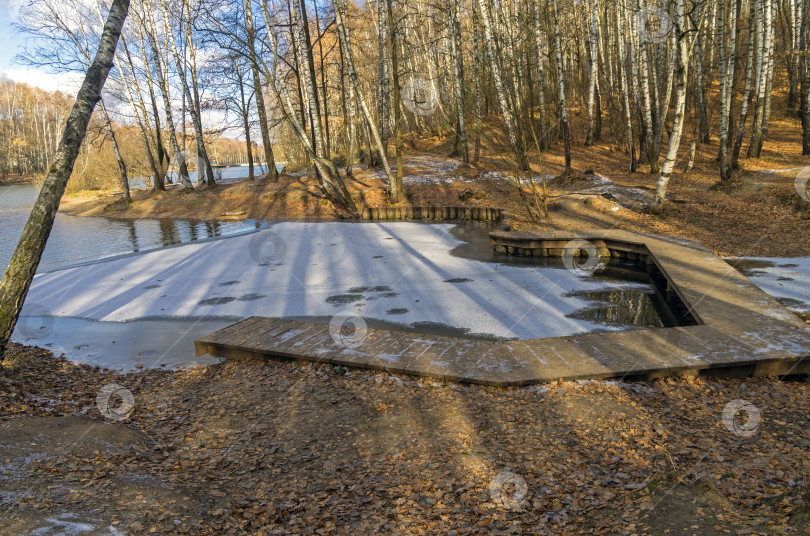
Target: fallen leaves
{"type": "Point", "coordinates": [261, 448]}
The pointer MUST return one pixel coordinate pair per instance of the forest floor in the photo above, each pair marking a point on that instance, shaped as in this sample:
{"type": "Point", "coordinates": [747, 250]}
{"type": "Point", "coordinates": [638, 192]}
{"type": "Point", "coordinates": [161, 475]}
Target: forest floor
{"type": "Point", "coordinates": [281, 448]}
{"type": "Point", "coordinates": [760, 214]}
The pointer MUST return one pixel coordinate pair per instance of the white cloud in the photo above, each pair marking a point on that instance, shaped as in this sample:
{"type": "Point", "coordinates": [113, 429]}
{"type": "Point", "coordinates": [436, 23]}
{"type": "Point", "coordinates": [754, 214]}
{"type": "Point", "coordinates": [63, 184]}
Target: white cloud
{"type": "Point", "coordinates": [66, 82]}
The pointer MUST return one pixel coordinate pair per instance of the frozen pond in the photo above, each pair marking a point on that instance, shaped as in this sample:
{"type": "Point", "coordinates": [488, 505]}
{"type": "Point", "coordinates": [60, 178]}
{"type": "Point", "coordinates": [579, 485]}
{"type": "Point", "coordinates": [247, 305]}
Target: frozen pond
{"type": "Point", "coordinates": [407, 275]}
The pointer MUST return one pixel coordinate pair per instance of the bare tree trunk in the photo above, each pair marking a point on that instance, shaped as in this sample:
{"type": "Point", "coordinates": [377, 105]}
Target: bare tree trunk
{"type": "Point", "coordinates": [269, 157]}
{"type": "Point", "coordinates": [347, 99]}
{"type": "Point", "coordinates": [593, 60]}
{"type": "Point", "coordinates": [161, 70]}
{"type": "Point", "coordinates": [512, 128]}
{"type": "Point", "coordinates": [628, 114]}
{"type": "Point", "coordinates": [542, 134]}
{"type": "Point", "coordinates": [764, 36]}
{"type": "Point", "coordinates": [727, 86]}
{"type": "Point", "coordinates": [478, 96]}
{"type": "Point", "coordinates": [142, 118]}
{"type": "Point", "coordinates": [657, 205]}
{"type": "Point", "coordinates": [25, 260]}
{"type": "Point", "coordinates": [460, 143]}
{"type": "Point", "coordinates": [700, 87]}
{"type": "Point", "coordinates": [244, 109]}
{"type": "Point", "coordinates": [345, 43]}
{"type": "Point", "coordinates": [122, 167]}
{"type": "Point", "coordinates": [196, 120]}
{"type": "Point", "coordinates": [397, 189]}
{"type": "Point", "coordinates": [650, 125]}
{"type": "Point", "coordinates": [383, 82]}
{"type": "Point", "coordinates": [746, 96]}
{"type": "Point", "coordinates": [805, 66]}
{"type": "Point", "coordinates": [561, 76]}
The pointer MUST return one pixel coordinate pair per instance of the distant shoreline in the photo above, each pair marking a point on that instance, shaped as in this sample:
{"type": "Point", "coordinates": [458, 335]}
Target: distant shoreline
{"type": "Point", "coordinates": [15, 180]}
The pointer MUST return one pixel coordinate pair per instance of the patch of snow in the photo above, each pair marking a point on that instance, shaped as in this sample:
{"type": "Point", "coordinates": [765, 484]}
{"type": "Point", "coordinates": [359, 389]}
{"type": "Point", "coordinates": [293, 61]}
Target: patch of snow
{"type": "Point", "coordinates": [69, 524]}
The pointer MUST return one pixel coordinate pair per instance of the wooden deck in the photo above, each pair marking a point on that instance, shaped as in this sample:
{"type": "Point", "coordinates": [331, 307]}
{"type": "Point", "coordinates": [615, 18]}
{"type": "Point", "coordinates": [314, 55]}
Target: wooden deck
{"type": "Point", "coordinates": [741, 331]}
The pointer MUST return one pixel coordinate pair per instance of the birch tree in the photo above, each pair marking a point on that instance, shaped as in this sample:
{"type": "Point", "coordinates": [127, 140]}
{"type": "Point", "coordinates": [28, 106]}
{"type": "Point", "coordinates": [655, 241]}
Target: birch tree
{"type": "Point", "coordinates": [25, 260]}
{"type": "Point", "coordinates": [657, 204]}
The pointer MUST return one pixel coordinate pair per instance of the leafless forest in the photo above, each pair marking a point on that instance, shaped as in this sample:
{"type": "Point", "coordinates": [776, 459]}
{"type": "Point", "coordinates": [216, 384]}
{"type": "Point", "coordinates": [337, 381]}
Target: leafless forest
{"type": "Point", "coordinates": [329, 85]}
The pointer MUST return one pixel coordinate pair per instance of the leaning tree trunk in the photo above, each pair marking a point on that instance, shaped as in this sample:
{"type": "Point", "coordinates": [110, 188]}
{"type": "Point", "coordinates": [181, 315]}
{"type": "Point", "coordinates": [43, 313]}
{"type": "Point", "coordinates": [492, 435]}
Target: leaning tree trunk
{"type": "Point", "coordinates": [20, 271]}
{"type": "Point", "coordinates": [657, 205]}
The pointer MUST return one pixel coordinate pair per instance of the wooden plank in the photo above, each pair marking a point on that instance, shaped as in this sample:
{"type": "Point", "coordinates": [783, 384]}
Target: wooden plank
{"type": "Point", "coordinates": [292, 347]}
{"type": "Point", "coordinates": [321, 348]}
{"type": "Point", "coordinates": [228, 331]}
{"type": "Point", "coordinates": [272, 334]}
{"type": "Point", "coordinates": [396, 356]}
{"type": "Point", "coordinates": [260, 328]}
{"type": "Point", "coordinates": [430, 362]}
{"type": "Point", "coordinates": [374, 343]}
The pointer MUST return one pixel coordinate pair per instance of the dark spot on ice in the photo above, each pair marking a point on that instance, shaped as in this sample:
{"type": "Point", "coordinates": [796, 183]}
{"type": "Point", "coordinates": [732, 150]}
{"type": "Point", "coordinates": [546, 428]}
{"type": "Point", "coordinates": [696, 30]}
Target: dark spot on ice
{"type": "Point", "coordinates": [789, 265]}
{"type": "Point", "coordinates": [81, 346]}
{"type": "Point", "coordinates": [228, 283]}
{"type": "Point", "coordinates": [150, 287]}
{"type": "Point", "coordinates": [783, 278]}
{"type": "Point", "coordinates": [458, 280]}
{"type": "Point", "coordinates": [217, 301]}
{"type": "Point", "coordinates": [389, 294]}
{"type": "Point", "coordinates": [147, 352]}
{"type": "Point", "coordinates": [381, 289]}
{"type": "Point", "coordinates": [397, 311]}
{"type": "Point", "coordinates": [377, 257]}
{"type": "Point", "coordinates": [357, 290]}
{"type": "Point", "coordinates": [251, 297]}
{"type": "Point", "coordinates": [340, 299]}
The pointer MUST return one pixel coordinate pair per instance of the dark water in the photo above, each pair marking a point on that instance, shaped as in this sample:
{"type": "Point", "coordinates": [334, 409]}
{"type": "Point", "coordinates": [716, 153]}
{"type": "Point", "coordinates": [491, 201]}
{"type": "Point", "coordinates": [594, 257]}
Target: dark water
{"type": "Point", "coordinates": [77, 239]}
{"type": "Point", "coordinates": [645, 304]}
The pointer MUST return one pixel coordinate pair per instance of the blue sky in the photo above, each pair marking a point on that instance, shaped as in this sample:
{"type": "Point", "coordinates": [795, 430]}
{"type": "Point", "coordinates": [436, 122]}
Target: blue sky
{"type": "Point", "coordinates": [11, 44]}
{"type": "Point", "coordinates": [11, 40]}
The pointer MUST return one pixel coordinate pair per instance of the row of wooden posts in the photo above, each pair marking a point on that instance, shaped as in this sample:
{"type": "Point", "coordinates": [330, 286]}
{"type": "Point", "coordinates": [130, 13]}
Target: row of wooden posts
{"type": "Point", "coordinates": [557, 250]}
{"type": "Point", "coordinates": [433, 213]}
